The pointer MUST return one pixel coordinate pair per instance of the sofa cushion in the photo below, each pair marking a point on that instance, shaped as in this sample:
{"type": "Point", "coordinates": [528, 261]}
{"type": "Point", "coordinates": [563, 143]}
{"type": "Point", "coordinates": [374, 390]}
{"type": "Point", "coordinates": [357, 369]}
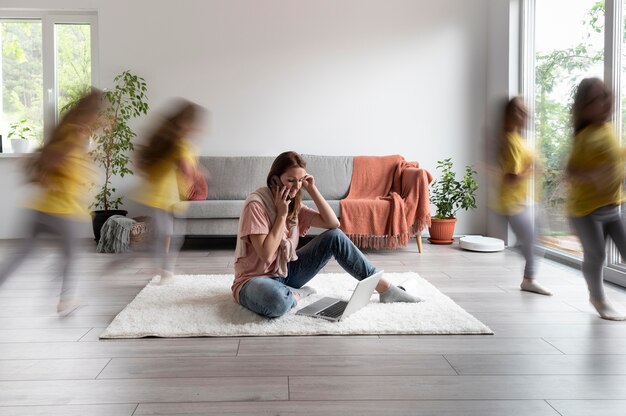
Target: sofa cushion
{"type": "Point", "coordinates": [208, 209]}
{"type": "Point", "coordinates": [226, 209]}
{"type": "Point", "coordinates": [332, 174]}
{"type": "Point", "coordinates": [234, 178]}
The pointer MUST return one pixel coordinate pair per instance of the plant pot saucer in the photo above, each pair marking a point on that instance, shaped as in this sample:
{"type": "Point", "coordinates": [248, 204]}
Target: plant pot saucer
{"type": "Point", "coordinates": [435, 241]}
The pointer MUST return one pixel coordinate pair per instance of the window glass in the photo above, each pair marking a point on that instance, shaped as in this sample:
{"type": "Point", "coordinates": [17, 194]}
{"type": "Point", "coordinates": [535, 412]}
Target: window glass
{"type": "Point", "coordinates": [22, 81]}
{"type": "Point", "coordinates": [569, 45]}
{"type": "Point", "coordinates": [73, 63]}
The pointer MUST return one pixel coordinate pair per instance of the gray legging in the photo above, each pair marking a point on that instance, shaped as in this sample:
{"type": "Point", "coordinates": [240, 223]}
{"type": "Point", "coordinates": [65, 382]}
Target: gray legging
{"type": "Point", "coordinates": [62, 226]}
{"type": "Point", "coordinates": [162, 230]}
{"type": "Point", "coordinates": [523, 227]}
{"type": "Point", "coordinates": [593, 230]}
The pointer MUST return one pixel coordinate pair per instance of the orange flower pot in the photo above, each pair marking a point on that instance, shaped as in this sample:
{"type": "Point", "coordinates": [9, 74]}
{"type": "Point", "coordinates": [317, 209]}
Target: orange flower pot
{"type": "Point", "coordinates": [441, 231]}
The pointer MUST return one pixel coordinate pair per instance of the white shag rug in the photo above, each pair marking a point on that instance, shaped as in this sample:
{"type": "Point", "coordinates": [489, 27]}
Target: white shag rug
{"type": "Point", "coordinates": [197, 305]}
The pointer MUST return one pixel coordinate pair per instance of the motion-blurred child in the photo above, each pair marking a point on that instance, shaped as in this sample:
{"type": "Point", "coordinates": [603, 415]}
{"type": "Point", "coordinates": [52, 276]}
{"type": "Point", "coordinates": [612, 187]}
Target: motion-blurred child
{"type": "Point", "coordinates": [63, 174]}
{"type": "Point", "coordinates": [516, 162]}
{"type": "Point", "coordinates": [595, 171]}
{"type": "Point", "coordinates": [160, 161]}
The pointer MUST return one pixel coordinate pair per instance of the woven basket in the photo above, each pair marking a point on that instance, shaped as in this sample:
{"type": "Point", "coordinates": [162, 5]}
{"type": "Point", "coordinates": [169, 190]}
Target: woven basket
{"type": "Point", "coordinates": [140, 233]}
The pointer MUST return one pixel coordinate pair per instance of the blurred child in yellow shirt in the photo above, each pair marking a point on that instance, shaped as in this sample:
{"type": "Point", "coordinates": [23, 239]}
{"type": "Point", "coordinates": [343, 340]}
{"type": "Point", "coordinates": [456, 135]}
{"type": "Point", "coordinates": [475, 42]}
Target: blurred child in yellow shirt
{"type": "Point", "coordinates": [516, 161]}
{"type": "Point", "coordinates": [165, 153]}
{"type": "Point", "coordinates": [595, 171]}
{"type": "Point", "coordinates": [63, 174]}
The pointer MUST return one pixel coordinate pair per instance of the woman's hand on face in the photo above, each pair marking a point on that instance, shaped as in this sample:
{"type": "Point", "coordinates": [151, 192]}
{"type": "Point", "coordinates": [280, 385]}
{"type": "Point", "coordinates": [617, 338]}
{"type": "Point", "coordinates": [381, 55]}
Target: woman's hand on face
{"type": "Point", "coordinates": [282, 201]}
{"type": "Point", "coordinates": [308, 182]}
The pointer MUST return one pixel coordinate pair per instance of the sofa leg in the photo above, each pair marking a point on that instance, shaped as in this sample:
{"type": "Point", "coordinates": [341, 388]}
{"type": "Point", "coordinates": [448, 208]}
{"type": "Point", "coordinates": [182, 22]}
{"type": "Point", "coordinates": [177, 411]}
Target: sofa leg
{"type": "Point", "coordinates": [418, 238]}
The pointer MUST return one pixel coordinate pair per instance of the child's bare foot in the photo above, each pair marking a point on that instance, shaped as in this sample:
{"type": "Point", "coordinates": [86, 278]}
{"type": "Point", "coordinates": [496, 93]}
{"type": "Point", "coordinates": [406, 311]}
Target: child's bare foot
{"type": "Point", "coordinates": [531, 285]}
{"type": "Point", "coordinates": [607, 310]}
{"type": "Point", "coordinates": [166, 278]}
{"type": "Point", "coordinates": [67, 305]}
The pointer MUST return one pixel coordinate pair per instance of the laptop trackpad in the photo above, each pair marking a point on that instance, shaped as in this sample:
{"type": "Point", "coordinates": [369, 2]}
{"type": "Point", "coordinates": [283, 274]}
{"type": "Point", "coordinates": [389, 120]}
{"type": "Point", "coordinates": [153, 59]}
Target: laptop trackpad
{"type": "Point", "coordinates": [317, 306]}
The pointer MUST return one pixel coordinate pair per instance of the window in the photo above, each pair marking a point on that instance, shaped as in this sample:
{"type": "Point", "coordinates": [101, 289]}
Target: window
{"type": "Point", "coordinates": [572, 41]}
{"type": "Point", "coordinates": [569, 46]}
{"type": "Point", "coordinates": [22, 77]}
{"type": "Point", "coordinates": [47, 61]}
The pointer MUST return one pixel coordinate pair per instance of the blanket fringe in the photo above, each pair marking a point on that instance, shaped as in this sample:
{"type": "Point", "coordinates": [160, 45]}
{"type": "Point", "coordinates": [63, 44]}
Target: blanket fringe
{"type": "Point", "coordinates": [420, 225]}
{"type": "Point", "coordinates": [378, 242]}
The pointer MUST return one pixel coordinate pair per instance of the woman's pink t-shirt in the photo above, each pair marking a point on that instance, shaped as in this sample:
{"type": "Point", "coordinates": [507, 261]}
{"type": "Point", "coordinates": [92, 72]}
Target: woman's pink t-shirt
{"type": "Point", "coordinates": [255, 220]}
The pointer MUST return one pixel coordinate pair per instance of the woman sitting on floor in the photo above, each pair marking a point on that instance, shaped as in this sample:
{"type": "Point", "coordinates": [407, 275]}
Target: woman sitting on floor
{"type": "Point", "coordinates": [270, 273]}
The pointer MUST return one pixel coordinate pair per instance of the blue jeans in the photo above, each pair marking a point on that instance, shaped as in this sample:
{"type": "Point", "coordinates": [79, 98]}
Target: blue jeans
{"type": "Point", "coordinates": [272, 297]}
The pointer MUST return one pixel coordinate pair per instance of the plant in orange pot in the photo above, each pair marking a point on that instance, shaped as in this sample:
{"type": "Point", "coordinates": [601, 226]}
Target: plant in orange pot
{"type": "Point", "coordinates": [449, 195]}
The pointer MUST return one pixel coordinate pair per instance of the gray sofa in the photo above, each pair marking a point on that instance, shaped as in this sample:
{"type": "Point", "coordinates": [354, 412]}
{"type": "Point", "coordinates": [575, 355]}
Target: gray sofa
{"type": "Point", "coordinates": [233, 178]}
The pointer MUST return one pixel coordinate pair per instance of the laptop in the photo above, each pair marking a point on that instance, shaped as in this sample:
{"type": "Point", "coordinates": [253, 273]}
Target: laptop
{"type": "Point", "coordinates": [334, 309]}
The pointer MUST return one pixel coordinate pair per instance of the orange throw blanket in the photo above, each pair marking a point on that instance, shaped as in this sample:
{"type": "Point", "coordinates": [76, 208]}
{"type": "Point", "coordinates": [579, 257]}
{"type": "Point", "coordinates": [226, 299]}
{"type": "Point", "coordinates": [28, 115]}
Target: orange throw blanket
{"type": "Point", "coordinates": [388, 202]}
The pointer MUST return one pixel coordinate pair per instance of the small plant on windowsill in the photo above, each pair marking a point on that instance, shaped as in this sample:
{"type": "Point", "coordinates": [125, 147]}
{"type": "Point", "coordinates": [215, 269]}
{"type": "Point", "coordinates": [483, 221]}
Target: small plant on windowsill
{"type": "Point", "coordinates": [113, 143]}
{"type": "Point", "coordinates": [19, 134]}
{"type": "Point", "coordinates": [450, 195]}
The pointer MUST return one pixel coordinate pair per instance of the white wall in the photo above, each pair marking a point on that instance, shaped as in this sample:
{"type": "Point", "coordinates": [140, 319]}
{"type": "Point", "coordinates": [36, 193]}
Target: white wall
{"type": "Point", "coordinates": [336, 77]}
{"type": "Point", "coordinates": [504, 72]}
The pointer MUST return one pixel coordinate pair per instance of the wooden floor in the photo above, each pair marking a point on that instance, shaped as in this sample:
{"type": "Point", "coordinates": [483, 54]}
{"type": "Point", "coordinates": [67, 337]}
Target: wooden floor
{"type": "Point", "coordinates": [549, 355]}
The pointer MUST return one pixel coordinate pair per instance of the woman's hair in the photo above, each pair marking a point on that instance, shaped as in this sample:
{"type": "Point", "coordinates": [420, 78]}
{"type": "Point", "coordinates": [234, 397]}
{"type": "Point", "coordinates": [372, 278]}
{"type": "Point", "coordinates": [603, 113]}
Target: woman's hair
{"type": "Point", "coordinates": [164, 140]}
{"type": "Point", "coordinates": [281, 164]}
{"type": "Point", "coordinates": [581, 100]}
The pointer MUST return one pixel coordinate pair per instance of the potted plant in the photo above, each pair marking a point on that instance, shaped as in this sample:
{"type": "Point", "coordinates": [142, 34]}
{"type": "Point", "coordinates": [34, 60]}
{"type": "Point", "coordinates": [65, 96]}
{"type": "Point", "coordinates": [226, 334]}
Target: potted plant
{"type": "Point", "coordinates": [449, 195]}
{"type": "Point", "coordinates": [113, 142]}
{"type": "Point", "coordinates": [19, 134]}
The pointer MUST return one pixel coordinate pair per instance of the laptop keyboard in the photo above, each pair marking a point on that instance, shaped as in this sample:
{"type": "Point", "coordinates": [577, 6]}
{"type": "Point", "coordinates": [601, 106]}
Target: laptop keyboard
{"type": "Point", "coordinates": [334, 310]}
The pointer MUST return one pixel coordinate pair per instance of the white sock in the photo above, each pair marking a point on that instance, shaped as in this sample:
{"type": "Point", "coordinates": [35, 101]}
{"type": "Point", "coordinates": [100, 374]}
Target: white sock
{"type": "Point", "coordinates": [395, 294]}
{"type": "Point", "coordinates": [531, 285]}
{"type": "Point", "coordinates": [607, 310]}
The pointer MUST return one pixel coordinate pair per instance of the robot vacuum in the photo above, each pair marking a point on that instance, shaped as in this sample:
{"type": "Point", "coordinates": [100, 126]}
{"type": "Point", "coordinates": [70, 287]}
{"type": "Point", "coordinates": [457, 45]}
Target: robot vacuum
{"type": "Point", "coordinates": [481, 244]}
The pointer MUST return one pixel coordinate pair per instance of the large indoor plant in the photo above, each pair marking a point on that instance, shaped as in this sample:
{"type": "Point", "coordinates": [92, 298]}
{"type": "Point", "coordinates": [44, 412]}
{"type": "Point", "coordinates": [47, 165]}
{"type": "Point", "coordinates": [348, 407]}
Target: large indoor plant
{"type": "Point", "coordinates": [449, 195]}
{"type": "Point", "coordinates": [113, 143]}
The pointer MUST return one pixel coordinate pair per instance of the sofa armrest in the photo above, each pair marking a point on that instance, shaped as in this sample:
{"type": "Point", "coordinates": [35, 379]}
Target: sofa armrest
{"type": "Point", "coordinates": [412, 179]}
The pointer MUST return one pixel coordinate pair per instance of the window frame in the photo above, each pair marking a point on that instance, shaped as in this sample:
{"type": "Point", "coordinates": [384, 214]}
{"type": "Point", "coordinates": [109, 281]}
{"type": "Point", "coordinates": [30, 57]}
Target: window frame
{"type": "Point", "coordinates": [49, 18]}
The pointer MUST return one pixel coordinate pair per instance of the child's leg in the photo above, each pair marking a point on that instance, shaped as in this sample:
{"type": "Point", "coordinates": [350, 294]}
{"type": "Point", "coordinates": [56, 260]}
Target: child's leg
{"type": "Point", "coordinates": [592, 230]}
{"type": "Point", "coordinates": [524, 229]}
{"type": "Point", "coordinates": [67, 231]}
{"type": "Point", "coordinates": [160, 224]}
{"type": "Point", "coordinates": [592, 238]}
